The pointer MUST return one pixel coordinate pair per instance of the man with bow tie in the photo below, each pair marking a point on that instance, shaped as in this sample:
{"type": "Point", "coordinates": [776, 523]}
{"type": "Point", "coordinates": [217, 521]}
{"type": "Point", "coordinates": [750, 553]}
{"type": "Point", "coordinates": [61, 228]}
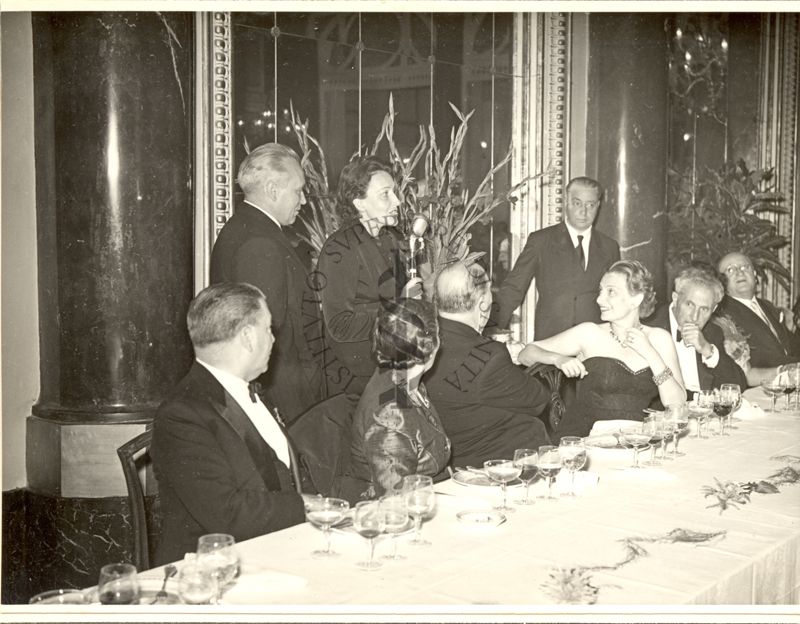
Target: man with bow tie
{"type": "Point", "coordinates": [700, 345]}
{"type": "Point", "coordinates": [222, 458]}
{"type": "Point", "coordinates": [771, 343]}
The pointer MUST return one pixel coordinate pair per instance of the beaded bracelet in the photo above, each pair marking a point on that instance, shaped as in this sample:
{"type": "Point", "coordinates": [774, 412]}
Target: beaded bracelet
{"type": "Point", "coordinates": [662, 376]}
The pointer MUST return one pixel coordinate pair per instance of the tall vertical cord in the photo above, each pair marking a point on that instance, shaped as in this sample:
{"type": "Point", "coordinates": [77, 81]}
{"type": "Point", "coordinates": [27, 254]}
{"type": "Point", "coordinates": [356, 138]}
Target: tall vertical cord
{"type": "Point", "coordinates": [275, 34]}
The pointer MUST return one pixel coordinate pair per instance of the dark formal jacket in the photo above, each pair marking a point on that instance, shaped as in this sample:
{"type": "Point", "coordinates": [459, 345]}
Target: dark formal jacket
{"type": "Point", "coordinates": [358, 273]}
{"type": "Point", "coordinates": [765, 349]}
{"type": "Point", "coordinates": [489, 407]}
{"type": "Point", "coordinates": [215, 472]}
{"type": "Point", "coordinates": [567, 293]}
{"type": "Point", "coordinates": [726, 370]}
{"type": "Point", "coordinates": [252, 248]}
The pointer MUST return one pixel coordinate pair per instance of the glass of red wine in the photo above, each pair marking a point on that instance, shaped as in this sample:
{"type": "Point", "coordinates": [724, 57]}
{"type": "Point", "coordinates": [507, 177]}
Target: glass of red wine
{"type": "Point", "coordinates": [118, 584]}
{"type": "Point", "coordinates": [723, 406]}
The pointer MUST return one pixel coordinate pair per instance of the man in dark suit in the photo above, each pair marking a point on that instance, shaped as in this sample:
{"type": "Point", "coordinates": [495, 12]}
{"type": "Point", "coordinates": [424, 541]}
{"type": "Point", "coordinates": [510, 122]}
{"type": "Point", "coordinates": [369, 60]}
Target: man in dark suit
{"type": "Point", "coordinates": [253, 248]}
{"type": "Point", "coordinates": [567, 260]}
{"type": "Point", "coordinates": [771, 343]}
{"type": "Point", "coordinates": [221, 457]}
{"type": "Point", "coordinates": [488, 406]}
{"type": "Point", "coordinates": [700, 345]}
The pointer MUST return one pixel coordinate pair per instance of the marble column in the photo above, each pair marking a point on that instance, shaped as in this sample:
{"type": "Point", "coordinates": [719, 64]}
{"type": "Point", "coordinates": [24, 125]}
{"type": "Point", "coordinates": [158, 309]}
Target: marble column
{"type": "Point", "coordinates": [626, 145]}
{"type": "Point", "coordinates": [114, 153]}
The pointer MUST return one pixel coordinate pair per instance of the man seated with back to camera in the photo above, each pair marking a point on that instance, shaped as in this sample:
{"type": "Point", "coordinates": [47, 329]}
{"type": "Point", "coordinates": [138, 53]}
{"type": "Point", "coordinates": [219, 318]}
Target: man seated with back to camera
{"type": "Point", "coordinates": [489, 406]}
{"type": "Point", "coordinates": [221, 458]}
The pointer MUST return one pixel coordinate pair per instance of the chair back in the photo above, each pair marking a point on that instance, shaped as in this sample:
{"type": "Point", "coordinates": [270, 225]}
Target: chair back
{"type": "Point", "coordinates": [321, 436]}
{"type": "Point", "coordinates": [127, 456]}
{"type": "Point", "coordinates": [552, 376]}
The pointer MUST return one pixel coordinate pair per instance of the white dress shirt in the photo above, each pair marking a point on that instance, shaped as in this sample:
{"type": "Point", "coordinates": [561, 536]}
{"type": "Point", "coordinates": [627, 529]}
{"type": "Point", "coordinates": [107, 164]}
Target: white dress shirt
{"type": "Point", "coordinates": [265, 212]}
{"type": "Point", "coordinates": [257, 412]}
{"type": "Point", "coordinates": [587, 237]}
{"type": "Point", "coordinates": [687, 356]}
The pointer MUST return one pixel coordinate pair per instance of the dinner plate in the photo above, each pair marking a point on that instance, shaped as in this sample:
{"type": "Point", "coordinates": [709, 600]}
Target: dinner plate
{"type": "Point", "coordinates": [603, 441]}
{"type": "Point", "coordinates": [481, 517]}
{"type": "Point", "coordinates": [148, 588]}
{"type": "Point", "coordinates": [469, 477]}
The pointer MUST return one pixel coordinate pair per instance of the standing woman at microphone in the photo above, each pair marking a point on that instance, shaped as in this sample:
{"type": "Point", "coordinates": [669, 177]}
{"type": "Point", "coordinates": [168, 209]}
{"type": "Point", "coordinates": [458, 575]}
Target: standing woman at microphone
{"type": "Point", "coordinates": [362, 264]}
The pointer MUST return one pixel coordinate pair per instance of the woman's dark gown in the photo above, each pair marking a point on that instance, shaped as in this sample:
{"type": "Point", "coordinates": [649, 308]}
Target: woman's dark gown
{"type": "Point", "coordinates": [609, 391]}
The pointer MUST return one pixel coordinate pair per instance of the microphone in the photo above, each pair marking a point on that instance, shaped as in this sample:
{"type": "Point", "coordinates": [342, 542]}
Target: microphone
{"type": "Point", "coordinates": [419, 225]}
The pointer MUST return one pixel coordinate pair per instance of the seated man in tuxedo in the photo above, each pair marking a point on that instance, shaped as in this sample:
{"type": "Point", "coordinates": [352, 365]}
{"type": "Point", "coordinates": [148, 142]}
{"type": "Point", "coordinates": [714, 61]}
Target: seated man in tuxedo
{"type": "Point", "coordinates": [221, 458]}
{"type": "Point", "coordinates": [700, 345]}
{"type": "Point", "coordinates": [488, 406]}
{"type": "Point", "coordinates": [772, 345]}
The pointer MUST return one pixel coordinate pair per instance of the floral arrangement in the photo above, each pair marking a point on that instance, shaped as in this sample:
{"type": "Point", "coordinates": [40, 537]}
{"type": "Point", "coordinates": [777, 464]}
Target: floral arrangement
{"type": "Point", "coordinates": [732, 494]}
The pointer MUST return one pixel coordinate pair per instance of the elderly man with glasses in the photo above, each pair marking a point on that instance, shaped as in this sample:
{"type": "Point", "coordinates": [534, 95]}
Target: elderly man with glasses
{"type": "Point", "coordinates": [771, 343]}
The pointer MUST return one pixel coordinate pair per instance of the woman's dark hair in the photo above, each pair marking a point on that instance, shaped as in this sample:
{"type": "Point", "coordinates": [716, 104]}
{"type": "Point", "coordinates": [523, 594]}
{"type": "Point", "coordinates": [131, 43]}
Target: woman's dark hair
{"type": "Point", "coordinates": [639, 280]}
{"type": "Point", "coordinates": [353, 183]}
{"type": "Point", "coordinates": [406, 333]}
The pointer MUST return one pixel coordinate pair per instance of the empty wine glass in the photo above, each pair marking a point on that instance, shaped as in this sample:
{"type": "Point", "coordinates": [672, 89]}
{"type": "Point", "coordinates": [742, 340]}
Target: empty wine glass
{"type": "Point", "coordinates": [420, 500]}
{"type": "Point", "coordinates": [733, 394]}
{"type": "Point", "coordinates": [395, 514]}
{"type": "Point", "coordinates": [217, 552]}
{"type": "Point", "coordinates": [502, 471]}
{"type": "Point", "coordinates": [369, 522]}
{"type": "Point", "coordinates": [700, 409]}
{"type": "Point", "coordinates": [773, 389]}
{"type": "Point", "coordinates": [526, 460]}
{"type": "Point", "coordinates": [653, 426]}
{"type": "Point", "coordinates": [637, 438]}
{"type": "Point", "coordinates": [677, 416]}
{"type": "Point", "coordinates": [549, 467]}
{"type": "Point", "coordinates": [197, 584]}
{"type": "Point", "coordinates": [573, 457]}
{"type": "Point", "coordinates": [324, 513]}
{"type": "Point", "coordinates": [118, 584]}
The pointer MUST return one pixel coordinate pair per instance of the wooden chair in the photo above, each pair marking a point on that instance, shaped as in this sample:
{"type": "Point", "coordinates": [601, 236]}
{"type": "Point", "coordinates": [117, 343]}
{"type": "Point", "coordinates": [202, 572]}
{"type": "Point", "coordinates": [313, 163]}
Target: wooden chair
{"type": "Point", "coordinates": [127, 456]}
{"type": "Point", "coordinates": [552, 377]}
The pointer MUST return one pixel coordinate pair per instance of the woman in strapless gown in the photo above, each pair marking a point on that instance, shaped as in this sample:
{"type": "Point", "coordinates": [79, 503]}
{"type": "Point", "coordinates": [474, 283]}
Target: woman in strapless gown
{"type": "Point", "coordinates": [622, 365]}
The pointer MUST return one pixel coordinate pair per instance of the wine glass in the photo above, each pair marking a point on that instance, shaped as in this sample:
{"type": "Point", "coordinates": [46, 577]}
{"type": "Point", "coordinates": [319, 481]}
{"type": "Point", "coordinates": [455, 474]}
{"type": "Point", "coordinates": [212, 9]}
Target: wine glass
{"type": "Point", "coordinates": [723, 407]}
{"type": "Point", "coordinates": [324, 513]}
{"type": "Point", "coordinates": [502, 471]}
{"type": "Point", "coordinates": [526, 460]}
{"type": "Point", "coordinates": [395, 515]}
{"type": "Point", "coordinates": [420, 500]}
{"type": "Point", "coordinates": [636, 436]}
{"type": "Point", "coordinates": [699, 409]}
{"type": "Point", "coordinates": [732, 393]}
{"type": "Point", "coordinates": [118, 584]}
{"type": "Point", "coordinates": [573, 457]}
{"type": "Point", "coordinates": [653, 426]}
{"type": "Point", "coordinates": [773, 389]}
{"type": "Point", "coordinates": [369, 521]}
{"type": "Point", "coordinates": [789, 383]}
{"type": "Point", "coordinates": [549, 467]}
{"type": "Point", "coordinates": [677, 416]}
{"type": "Point", "coordinates": [197, 584]}
{"type": "Point", "coordinates": [217, 552]}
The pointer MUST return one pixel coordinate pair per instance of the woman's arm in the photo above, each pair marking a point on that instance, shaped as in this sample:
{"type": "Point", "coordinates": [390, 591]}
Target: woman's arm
{"type": "Point", "coordinates": [658, 350]}
{"type": "Point", "coordinates": [560, 350]}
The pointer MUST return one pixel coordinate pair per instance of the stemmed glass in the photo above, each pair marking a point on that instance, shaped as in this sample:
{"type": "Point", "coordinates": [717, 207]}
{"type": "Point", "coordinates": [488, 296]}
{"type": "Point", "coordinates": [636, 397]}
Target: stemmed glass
{"type": "Point", "coordinates": [369, 521]}
{"type": "Point", "coordinates": [733, 394]}
{"type": "Point", "coordinates": [700, 409]}
{"type": "Point", "coordinates": [420, 500]}
{"type": "Point", "coordinates": [723, 407]}
{"type": "Point", "coordinates": [217, 552]}
{"type": "Point", "coordinates": [526, 460]}
{"type": "Point", "coordinates": [549, 467]}
{"type": "Point", "coordinates": [118, 584]}
{"type": "Point", "coordinates": [789, 383]}
{"type": "Point", "coordinates": [653, 426]}
{"type": "Point", "coordinates": [502, 471]}
{"type": "Point", "coordinates": [774, 389]}
{"type": "Point", "coordinates": [395, 515]}
{"type": "Point", "coordinates": [678, 417]}
{"type": "Point", "coordinates": [196, 583]}
{"type": "Point", "coordinates": [324, 513]}
{"type": "Point", "coordinates": [573, 457]}
{"type": "Point", "coordinates": [636, 436]}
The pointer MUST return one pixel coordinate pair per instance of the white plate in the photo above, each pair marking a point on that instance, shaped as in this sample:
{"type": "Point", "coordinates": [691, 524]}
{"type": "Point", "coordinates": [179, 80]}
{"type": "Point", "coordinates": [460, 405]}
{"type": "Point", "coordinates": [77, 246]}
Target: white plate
{"type": "Point", "coordinates": [468, 477]}
{"type": "Point", "coordinates": [481, 517]}
{"type": "Point", "coordinates": [603, 441]}
{"type": "Point", "coordinates": [148, 588]}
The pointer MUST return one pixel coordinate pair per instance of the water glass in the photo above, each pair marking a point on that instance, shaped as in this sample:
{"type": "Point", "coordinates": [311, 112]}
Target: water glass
{"type": "Point", "coordinates": [573, 457]}
{"type": "Point", "coordinates": [197, 584]}
{"type": "Point", "coordinates": [395, 515]}
{"type": "Point", "coordinates": [217, 552]}
{"type": "Point", "coordinates": [526, 460]}
{"type": "Point", "coordinates": [118, 584]}
{"type": "Point", "coordinates": [637, 438]}
{"type": "Point", "coordinates": [369, 522]}
{"type": "Point", "coordinates": [420, 501]}
{"type": "Point", "coordinates": [549, 467]}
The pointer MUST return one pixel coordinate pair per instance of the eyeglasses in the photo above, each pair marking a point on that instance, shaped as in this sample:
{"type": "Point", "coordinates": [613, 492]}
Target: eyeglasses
{"type": "Point", "coordinates": [737, 268]}
{"type": "Point", "coordinates": [589, 205]}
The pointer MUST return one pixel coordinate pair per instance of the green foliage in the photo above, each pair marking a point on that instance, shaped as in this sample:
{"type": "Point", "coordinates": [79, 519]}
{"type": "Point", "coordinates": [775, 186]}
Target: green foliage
{"type": "Point", "coordinates": [727, 215]}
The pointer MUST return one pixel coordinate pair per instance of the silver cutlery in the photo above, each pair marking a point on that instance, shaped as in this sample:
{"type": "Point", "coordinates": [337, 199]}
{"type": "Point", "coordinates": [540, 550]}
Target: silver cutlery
{"type": "Point", "coordinates": [169, 572]}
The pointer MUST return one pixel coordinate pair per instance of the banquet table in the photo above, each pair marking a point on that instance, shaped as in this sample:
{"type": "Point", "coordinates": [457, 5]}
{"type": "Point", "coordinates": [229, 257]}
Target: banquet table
{"type": "Point", "coordinates": [507, 568]}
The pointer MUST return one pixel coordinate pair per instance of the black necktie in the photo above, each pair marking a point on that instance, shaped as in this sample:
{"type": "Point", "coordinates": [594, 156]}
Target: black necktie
{"type": "Point", "coordinates": [581, 254]}
{"type": "Point", "coordinates": [254, 388]}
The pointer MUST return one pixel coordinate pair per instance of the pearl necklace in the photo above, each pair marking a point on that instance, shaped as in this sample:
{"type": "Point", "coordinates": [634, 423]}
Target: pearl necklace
{"type": "Point", "coordinates": [616, 338]}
